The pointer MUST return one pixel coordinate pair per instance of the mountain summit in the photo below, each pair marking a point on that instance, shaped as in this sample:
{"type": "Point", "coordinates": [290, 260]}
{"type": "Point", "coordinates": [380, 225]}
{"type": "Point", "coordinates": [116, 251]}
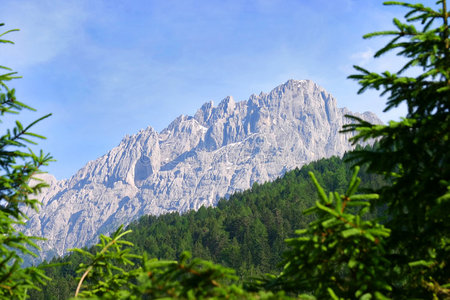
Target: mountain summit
{"type": "Point", "coordinates": [193, 162]}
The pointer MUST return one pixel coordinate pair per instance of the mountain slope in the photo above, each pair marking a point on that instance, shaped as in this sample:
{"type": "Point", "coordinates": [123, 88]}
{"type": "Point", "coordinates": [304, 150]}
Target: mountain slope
{"type": "Point", "coordinates": [193, 162]}
{"type": "Point", "coordinates": [246, 232]}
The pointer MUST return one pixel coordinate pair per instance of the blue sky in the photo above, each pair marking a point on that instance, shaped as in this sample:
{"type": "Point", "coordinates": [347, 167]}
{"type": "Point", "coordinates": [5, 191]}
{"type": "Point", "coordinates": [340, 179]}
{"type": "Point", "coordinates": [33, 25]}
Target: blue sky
{"type": "Point", "coordinates": [109, 68]}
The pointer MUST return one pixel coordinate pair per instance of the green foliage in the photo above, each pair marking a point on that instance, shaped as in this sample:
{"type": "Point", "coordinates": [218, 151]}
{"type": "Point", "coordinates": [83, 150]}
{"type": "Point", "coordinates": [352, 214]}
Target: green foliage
{"type": "Point", "coordinates": [105, 265]}
{"type": "Point", "coordinates": [105, 274]}
{"type": "Point", "coordinates": [414, 152]}
{"type": "Point", "coordinates": [17, 169]}
{"type": "Point", "coordinates": [157, 279]}
{"type": "Point", "coordinates": [340, 254]}
{"type": "Point", "coordinates": [245, 232]}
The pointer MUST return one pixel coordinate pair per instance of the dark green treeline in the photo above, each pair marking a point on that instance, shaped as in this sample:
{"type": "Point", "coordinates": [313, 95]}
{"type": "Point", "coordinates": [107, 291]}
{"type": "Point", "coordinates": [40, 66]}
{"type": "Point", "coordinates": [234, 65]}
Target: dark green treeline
{"type": "Point", "coordinates": [245, 232]}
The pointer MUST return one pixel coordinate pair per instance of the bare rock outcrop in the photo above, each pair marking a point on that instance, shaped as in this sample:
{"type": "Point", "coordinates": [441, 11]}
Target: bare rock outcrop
{"type": "Point", "coordinates": [193, 162]}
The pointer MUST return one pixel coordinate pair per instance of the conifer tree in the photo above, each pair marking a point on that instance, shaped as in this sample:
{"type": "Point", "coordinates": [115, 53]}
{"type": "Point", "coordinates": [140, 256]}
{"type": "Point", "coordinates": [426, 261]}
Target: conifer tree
{"type": "Point", "coordinates": [344, 254]}
{"type": "Point", "coordinates": [17, 168]}
{"type": "Point", "coordinates": [340, 255]}
{"type": "Point", "coordinates": [414, 152]}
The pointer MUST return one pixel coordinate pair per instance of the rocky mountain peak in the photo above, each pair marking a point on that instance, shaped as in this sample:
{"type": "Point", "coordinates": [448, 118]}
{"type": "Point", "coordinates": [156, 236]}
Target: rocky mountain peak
{"type": "Point", "coordinates": [193, 162]}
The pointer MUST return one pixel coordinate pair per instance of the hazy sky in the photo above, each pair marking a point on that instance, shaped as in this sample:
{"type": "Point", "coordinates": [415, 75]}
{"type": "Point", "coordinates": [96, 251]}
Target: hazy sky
{"type": "Point", "coordinates": [109, 68]}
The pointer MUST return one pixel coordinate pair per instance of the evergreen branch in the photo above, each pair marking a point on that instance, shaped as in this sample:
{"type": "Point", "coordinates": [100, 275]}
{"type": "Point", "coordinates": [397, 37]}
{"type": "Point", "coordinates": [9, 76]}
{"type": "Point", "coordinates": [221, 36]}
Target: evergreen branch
{"type": "Point", "coordinates": [113, 241]}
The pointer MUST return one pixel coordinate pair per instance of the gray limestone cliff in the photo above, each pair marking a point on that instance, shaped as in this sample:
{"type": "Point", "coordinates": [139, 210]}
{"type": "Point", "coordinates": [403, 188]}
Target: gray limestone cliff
{"type": "Point", "coordinates": [193, 162]}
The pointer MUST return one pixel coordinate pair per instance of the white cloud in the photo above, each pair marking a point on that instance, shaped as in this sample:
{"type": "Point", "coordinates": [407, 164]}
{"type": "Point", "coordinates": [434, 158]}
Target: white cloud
{"type": "Point", "coordinates": [362, 58]}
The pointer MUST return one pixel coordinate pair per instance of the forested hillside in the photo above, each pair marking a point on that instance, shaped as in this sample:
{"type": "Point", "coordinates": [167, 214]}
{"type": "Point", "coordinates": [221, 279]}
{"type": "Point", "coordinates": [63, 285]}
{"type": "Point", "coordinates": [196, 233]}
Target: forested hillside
{"type": "Point", "coordinates": [245, 232]}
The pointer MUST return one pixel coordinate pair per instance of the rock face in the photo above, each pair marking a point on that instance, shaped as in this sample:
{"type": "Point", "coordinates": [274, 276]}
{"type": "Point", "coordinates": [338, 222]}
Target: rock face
{"type": "Point", "coordinates": [193, 162]}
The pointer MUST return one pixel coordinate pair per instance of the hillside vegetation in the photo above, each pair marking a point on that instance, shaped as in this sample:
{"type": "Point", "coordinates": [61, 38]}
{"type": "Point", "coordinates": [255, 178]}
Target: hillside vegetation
{"type": "Point", "coordinates": [245, 232]}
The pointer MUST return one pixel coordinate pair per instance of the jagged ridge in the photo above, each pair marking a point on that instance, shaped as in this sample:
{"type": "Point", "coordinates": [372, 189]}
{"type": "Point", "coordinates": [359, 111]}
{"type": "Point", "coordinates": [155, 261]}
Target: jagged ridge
{"type": "Point", "coordinates": [193, 162]}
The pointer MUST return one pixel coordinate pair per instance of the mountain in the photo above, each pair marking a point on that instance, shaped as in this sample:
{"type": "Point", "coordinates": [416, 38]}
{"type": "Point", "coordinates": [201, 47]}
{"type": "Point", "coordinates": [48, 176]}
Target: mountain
{"type": "Point", "coordinates": [195, 161]}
